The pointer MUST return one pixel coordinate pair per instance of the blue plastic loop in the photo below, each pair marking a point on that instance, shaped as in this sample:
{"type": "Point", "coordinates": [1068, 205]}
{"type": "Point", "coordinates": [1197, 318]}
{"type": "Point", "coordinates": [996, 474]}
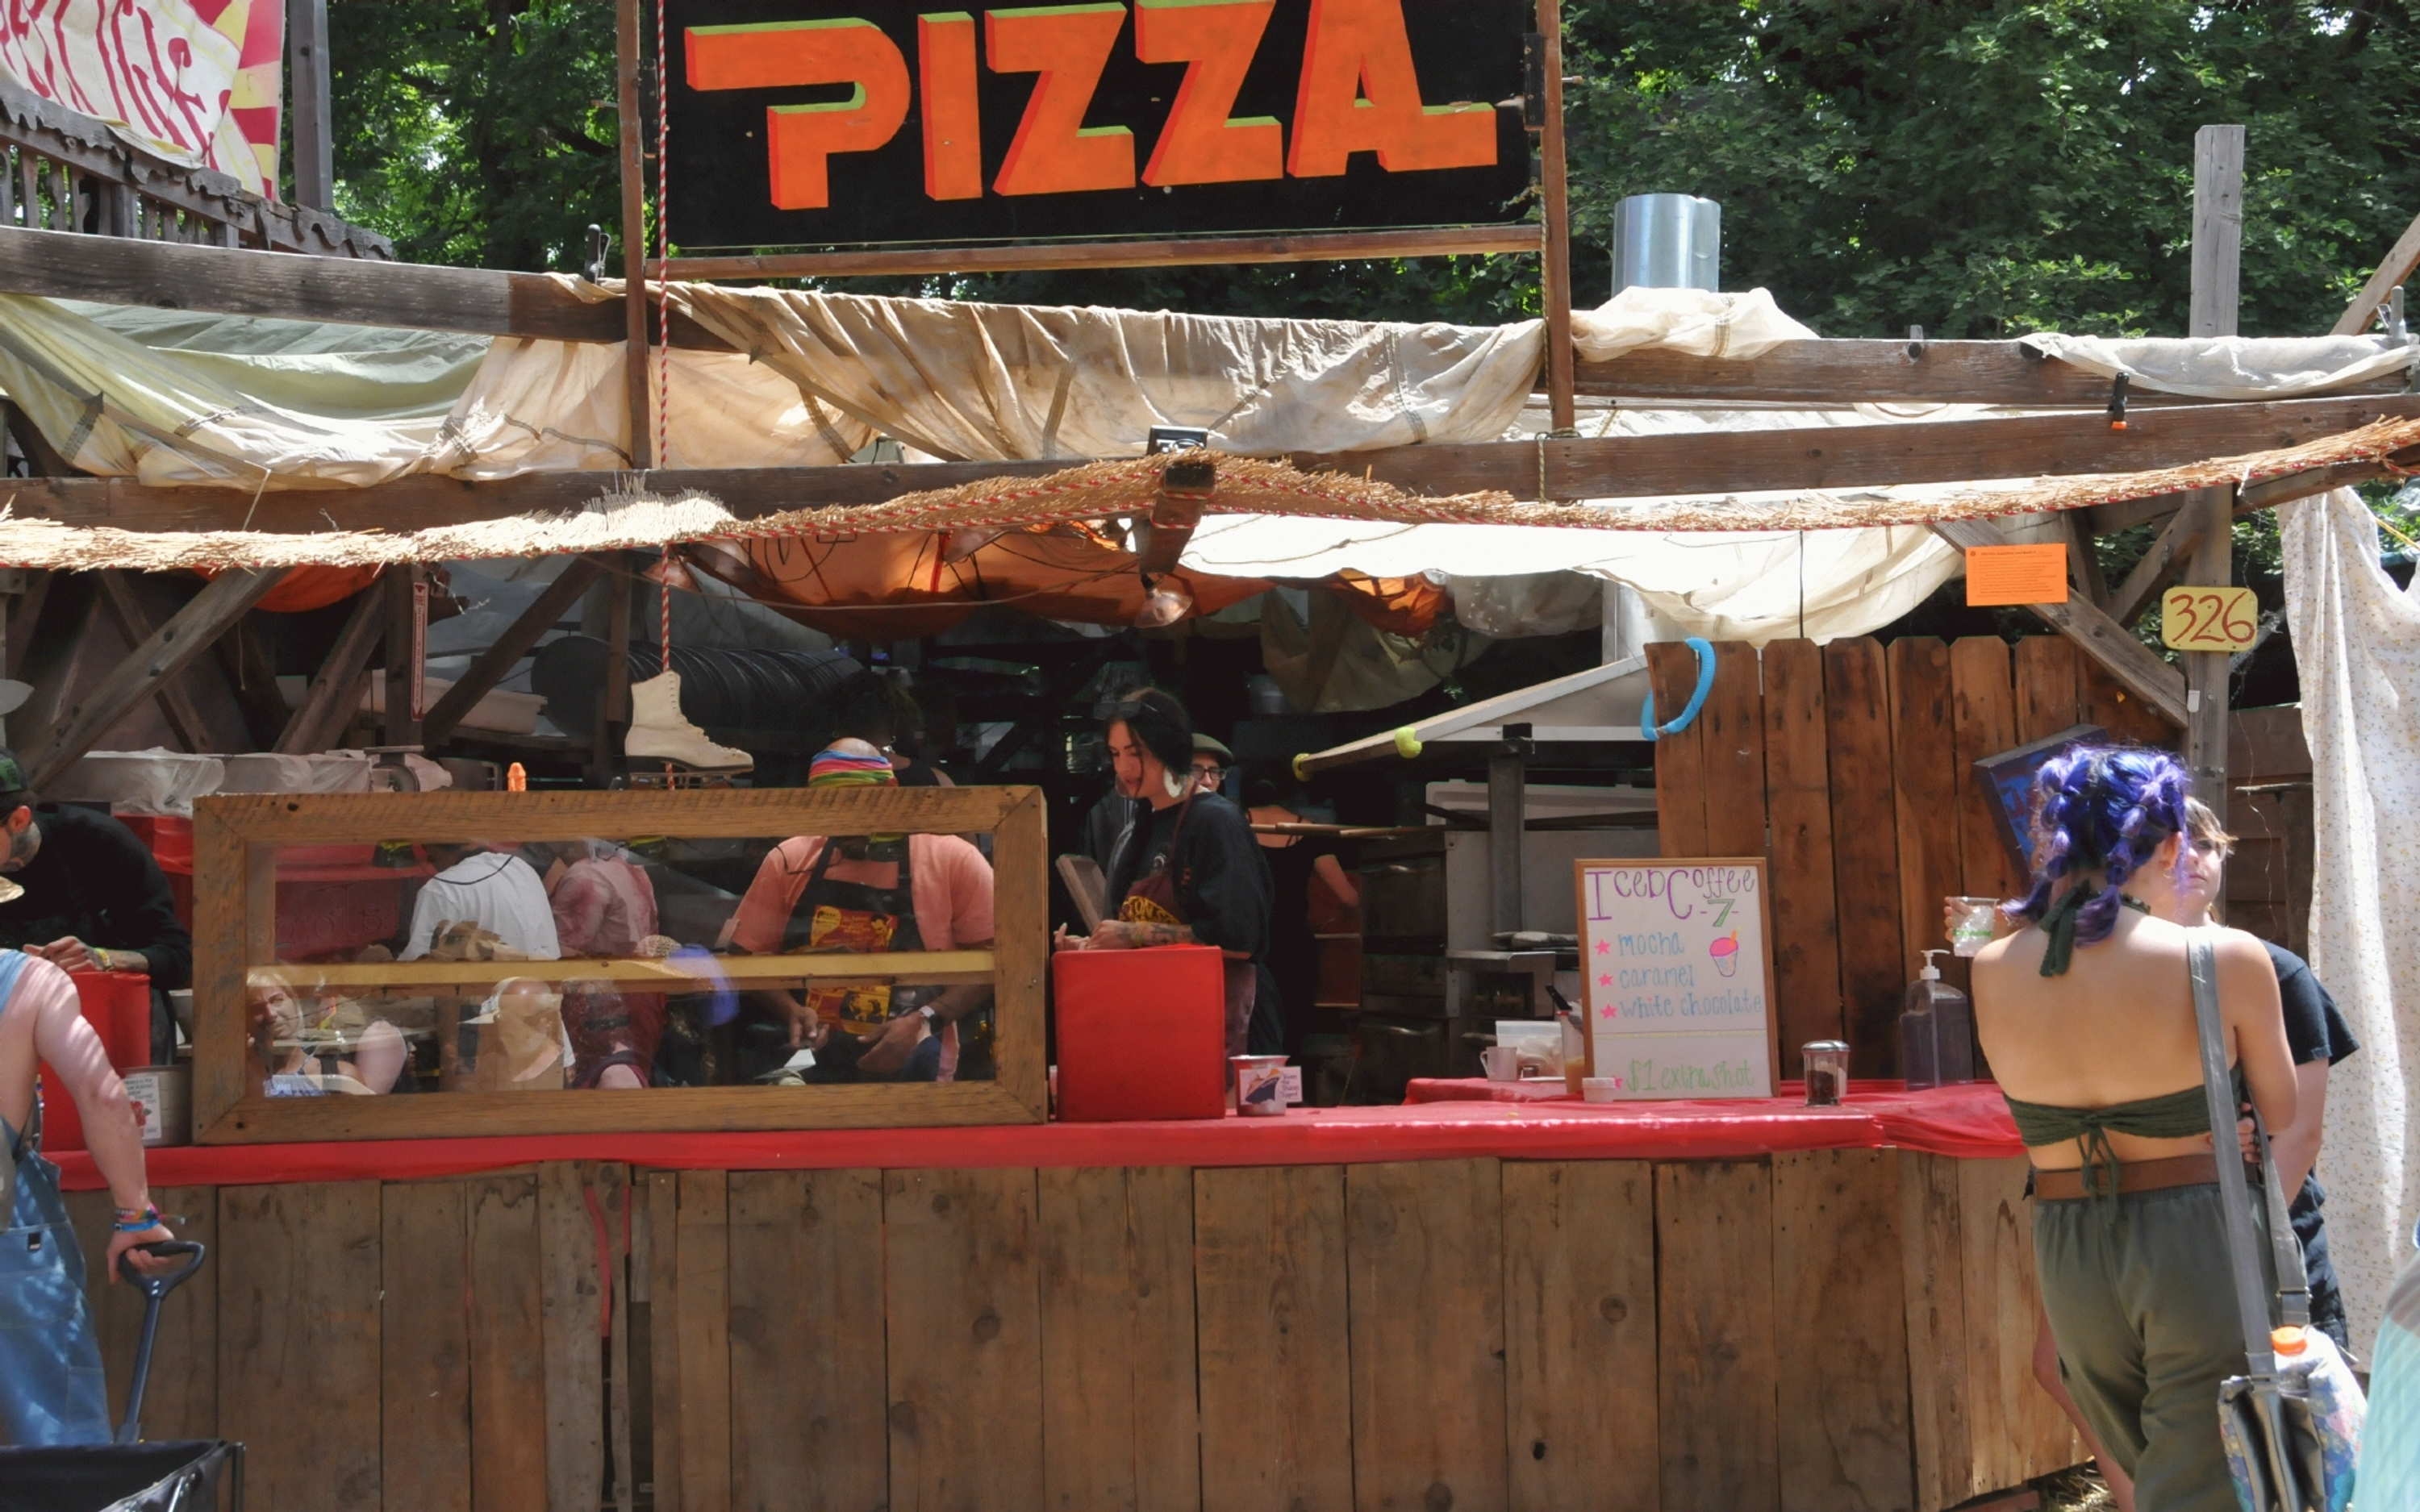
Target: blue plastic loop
{"type": "Point", "coordinates": [1646, 725]}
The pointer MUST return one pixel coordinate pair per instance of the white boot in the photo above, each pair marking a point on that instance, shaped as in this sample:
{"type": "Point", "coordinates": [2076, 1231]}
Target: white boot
{"type": "Point", "coordinates": [658, 732]}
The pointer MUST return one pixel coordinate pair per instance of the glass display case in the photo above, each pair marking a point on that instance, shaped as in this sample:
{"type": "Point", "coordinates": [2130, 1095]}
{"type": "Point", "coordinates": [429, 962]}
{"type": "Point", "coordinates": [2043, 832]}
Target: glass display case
{"type": "Point", "coordinates": [406, 965]}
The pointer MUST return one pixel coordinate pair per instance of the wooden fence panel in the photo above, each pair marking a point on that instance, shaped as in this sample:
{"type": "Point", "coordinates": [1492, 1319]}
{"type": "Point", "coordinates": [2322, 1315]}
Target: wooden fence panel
{"type": "Point", "coordinates": [1864, 852]}
{"type": "Point", "coordinates": [2019, 1432]}
{"type": "Point", "coordinates": [182, 1401]}
{"type": "Point", "coordinates": [808, 1395]}
{"type": "Point", "coordinates": [1924, 755]}
{"type": "Point", "coordinates": [1798, 789]}
{"type": "Point", "coordinates": [1121, 1411]}
{"type": "Point", "coordinates": [959, 1251]}
{"type": "Point", "coordinates": [1579, 1334]}
{"type": "Point", "coordinates": [1424, 1240]}
{"type": "Point", "coordinates": [700, 1372]}
{"type": "Point", "coordinates": [424, 1374]}
{"type": "Point", "coordinates": [1680, 757]}
{"type": "Point", "coordinates": [2046, 674]}
{"type": "Point", "coordinates": [507, 1340]}
{"type": "Point", "coordinates": [572, 1317]}
{"type": "Point", "coordinates": [1732, 751]}
{"type": "Point", "coordinates": [1932, 1266]}
{"type": "Point", "coordinates": [297, 1276]}
{"type": "Point", "coordinates": [2124, 716]}
{"type": "Point", "coordinates": [1270, 1305]}
{"type": "Point", "coordinates": [1983, 696]}
{"type": "Point", "coordinates": [1716, 1368]}
{"type": "Point", "coordinates": [1842, 1325]}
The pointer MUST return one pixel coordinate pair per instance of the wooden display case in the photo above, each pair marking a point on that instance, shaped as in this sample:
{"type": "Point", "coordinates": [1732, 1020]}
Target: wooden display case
{"type": "Point", "coordinates": [236, 845]}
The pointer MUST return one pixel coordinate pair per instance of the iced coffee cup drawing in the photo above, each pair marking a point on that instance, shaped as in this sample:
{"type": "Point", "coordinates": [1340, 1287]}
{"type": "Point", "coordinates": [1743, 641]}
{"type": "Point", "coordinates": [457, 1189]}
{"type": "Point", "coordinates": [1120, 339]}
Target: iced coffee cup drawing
{"type": "Point", "coordinates": [1726, 953]}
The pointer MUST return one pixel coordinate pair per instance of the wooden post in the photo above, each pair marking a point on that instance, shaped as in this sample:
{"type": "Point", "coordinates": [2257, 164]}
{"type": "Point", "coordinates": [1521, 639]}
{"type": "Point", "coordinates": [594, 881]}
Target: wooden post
{"type": "Point", "coordinates": [2402, 260]}
{"type": "Point", "coordinates": [613, 706]}
{"type": "Point", "coordinates": [314, 148]}
{"type": "Point", "coordinates": [2217, 229]}
{"type": "Point", "coordinates": [2206, 671]}
{"type": "Point", "coordinates": [1555, 282]}
{"type": "Point", "coordinates": [634, 232]}
{"type": "Point", "coordinates": [403, 663]}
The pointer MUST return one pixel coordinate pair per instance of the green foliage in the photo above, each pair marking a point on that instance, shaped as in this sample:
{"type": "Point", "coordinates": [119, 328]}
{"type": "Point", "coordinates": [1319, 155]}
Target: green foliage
{"type": "Point", "coordinates": [478, 133]}
{"type": "Point", "coordinates": [1981, 167]}
{"type": "Point", "coordinates": [1990, 167]}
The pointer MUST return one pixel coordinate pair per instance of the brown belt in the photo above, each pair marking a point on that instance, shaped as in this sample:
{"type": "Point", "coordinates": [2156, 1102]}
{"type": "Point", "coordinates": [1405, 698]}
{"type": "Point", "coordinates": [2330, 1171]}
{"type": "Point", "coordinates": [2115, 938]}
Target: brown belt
{"type": "Point", "coordinates": [2137, 1176]}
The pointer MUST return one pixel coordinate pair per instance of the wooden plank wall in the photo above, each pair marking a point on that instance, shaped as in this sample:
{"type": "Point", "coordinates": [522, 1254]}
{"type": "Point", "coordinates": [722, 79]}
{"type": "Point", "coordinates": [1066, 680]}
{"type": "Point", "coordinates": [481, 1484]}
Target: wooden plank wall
{"type": "Point", "coordinates": [1840, 1330]}
{"type": "Point", "coordinates": [1859, 774]}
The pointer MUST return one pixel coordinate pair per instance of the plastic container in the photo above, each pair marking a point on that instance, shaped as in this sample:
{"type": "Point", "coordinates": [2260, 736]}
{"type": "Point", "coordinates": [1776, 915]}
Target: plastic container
{"type": "Point", "coordinates": [2309, 1359]}
{"type": "Point", "coordinates": [1260, 1086]}
{"type": "Point", "coordinates": [1972, 923]}
{"type": "Point", "coordinates": [1538, 1042]}
{"type": "Point", "coordinates": [1142, 1034]}
{"type": "Point", "coordinates": [1600, 1088]}
{"type": "Point", "coordinates": [118, 1005]}
{"type": "Point", "coordinates": [1936, 1031]}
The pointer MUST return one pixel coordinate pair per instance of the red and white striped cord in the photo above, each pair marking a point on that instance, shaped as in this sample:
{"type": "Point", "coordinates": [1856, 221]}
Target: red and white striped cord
{"type": "Point", "coordinates": [663, 253]}
{"type": "Point", "coordinates": [664, 618]}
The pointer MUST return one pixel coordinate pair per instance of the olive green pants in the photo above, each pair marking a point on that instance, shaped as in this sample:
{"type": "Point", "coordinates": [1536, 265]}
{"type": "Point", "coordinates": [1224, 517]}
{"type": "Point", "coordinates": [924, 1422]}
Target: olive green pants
{"type": "Point", "coordinates": [2142, 1302]}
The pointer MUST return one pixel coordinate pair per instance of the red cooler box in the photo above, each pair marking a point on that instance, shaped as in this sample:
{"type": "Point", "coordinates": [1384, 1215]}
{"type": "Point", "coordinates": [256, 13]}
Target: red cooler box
{"type": "Point", "coordinates": [1142, 1034]}
{"type": "Point", "coordinates": [118, 1005]}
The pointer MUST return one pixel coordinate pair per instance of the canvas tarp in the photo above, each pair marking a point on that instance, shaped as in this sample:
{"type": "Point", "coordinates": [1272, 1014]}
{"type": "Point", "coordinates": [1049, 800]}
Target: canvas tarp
{"type": "Point", "coordinates": [2357, 647]}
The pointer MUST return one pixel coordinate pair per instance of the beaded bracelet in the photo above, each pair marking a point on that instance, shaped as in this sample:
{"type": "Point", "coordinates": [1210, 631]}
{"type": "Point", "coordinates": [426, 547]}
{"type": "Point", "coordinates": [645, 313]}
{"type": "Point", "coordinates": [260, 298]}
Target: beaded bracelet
{"type": "Point", "coordinates": [130, 1221]}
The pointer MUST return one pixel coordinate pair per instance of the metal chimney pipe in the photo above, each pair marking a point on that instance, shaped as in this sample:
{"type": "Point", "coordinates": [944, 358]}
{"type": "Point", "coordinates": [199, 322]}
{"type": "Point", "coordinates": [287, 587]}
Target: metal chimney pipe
{"type": "Point", "coordinates": [1667, 241]}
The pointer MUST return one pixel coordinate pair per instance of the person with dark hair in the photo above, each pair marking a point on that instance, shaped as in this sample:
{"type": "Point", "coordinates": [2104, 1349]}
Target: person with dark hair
{"type": "Point", "coordinates": [93, 899]}
{"type": "Point", "coordinates": [2087, 1013]}
{"type": "Point", "coordinates": [1190, 873]}
{"type": "Point", "coordinates": [878, 709]}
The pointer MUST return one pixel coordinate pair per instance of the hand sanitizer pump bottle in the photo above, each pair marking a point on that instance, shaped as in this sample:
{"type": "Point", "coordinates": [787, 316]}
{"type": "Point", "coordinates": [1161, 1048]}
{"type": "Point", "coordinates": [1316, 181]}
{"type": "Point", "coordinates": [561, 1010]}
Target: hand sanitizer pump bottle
{"type": "Point", "coordinates": [1936, 1032]}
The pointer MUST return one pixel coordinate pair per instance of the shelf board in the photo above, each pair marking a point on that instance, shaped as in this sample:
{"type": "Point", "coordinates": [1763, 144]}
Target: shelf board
{"type": "Point", "coordinates": [740, 971]}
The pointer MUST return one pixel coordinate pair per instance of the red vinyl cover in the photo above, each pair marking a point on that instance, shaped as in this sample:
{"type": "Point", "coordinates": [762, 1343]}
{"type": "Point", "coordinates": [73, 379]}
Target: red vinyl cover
{"type": "Point", "coordinates": [1969, 1122]}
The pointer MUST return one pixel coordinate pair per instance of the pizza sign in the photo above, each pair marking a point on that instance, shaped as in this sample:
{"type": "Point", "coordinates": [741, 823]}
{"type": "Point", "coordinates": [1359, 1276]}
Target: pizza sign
{"type": "Point", "coordinates": [797, 123]}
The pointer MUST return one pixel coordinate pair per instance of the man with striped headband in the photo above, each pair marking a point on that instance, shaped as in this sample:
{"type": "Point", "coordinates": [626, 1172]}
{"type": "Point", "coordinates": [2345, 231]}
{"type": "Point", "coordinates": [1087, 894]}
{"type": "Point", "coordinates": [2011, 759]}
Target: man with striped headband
{"type": "Point", "coordinates": [873, 894]}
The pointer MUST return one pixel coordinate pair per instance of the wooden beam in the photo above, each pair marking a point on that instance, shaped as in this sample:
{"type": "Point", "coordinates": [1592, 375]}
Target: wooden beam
{"type": "Point", "coordinates": [174, 698]}
{"type": "Point", "coordinates": [1555, 280]}
{"type": "Point", "coordinates": [311, 122]}
{"type": "Point", "coordinates": [1613, 467]}
{"type": "Point", "coordinates": [2083, 563]}
{"type": "Point", "coordinates": [398, 722]}
{"type": "Point", "coordinates": [176, 276]}
{"type": "Point", "coordinates": [2402, 260]}
{"type": "Point", "coordinates": [335, 692]}
{"type": "Point", "coordinates": [2207, 672]}
{"type": "Point", "coordinates": [1341, 246]}
{"type": "Point", "coordinates": [2217, 231]}
{"type": "Point", "coordinates": [511, 646]}
{"type": "Point", "coordinates": [634, 233]}
{"type": "Point", "coordinates": [1843, 372]}
{"type": "Point", "coordinates": [2102, 638]}
{"type": "Point", "coordinates": [2171, 552]}
{"type": "Point", "coordinates": [252, 678]}
{"type": "Point", "coordinates": [163, 653]}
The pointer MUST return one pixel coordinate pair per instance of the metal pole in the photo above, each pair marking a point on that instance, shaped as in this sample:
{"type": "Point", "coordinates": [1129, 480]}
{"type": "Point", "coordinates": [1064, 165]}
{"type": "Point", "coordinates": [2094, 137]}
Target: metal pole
{"type": "Point", "coordinates": [1507, 817]}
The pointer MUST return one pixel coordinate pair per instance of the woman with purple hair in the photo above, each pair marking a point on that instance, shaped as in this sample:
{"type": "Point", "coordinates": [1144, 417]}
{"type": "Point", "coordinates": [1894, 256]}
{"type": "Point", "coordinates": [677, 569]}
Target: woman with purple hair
{"type": "Point", "coordinates": [2087, 1013]}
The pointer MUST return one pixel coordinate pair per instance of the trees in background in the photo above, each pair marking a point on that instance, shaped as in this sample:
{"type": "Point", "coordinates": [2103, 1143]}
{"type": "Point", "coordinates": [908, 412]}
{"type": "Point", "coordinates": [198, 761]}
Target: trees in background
{"type": "Point", "coordinates": [1979, 168]}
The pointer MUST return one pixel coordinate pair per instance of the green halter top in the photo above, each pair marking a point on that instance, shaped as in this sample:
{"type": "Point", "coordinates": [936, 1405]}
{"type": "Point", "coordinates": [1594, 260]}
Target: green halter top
{"type": "Point", "coordinates": [2177, 1115]}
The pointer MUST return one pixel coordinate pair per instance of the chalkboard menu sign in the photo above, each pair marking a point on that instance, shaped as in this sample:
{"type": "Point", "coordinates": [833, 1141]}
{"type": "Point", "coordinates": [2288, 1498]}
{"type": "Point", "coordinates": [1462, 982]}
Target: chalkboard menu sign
{"type": "Point", "coordinates": [1676, 959]}
{"type": "Point", "coordinates": [816, 123]}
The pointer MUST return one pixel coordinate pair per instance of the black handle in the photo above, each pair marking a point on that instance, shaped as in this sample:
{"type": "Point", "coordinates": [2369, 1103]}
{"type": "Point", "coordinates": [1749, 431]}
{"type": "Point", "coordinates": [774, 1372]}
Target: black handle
{"type": "Point", "coordinates": [154, 1287]}
{"type": "Point", "coordinates": [157, 1287]}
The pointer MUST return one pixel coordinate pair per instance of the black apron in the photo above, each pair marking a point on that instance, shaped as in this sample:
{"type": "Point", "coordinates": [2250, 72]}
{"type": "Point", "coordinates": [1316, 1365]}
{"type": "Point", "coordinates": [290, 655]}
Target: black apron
{"type": "Point", "coordinates": [1153, 899]}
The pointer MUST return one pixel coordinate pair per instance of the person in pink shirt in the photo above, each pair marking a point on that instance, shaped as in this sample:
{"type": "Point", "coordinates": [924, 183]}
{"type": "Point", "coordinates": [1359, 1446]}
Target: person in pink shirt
{"type": "Point", "coordinates": [604, 907]}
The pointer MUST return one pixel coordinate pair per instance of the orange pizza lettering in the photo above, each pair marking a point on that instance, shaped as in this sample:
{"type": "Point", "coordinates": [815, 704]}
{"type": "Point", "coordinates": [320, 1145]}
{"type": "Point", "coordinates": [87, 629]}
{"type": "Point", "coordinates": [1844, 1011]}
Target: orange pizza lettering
{"type": "Point", "coordinates": [801, 139]}
{"type": "Point", "coordinates": [945, 65]}
{"type": "Point", "coordinates": [1201, 144]}
{"type": "Point", "coordinates": [1360, 94]}
{"type": "Point", "coordinates": [1054, 152]}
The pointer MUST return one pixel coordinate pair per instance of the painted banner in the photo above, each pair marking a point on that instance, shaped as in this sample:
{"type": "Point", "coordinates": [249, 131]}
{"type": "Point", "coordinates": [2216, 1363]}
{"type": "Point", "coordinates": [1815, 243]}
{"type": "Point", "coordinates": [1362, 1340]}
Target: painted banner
{"type": "Point", "coordinates": [198, 82]}
{"type": "Point", "coordinates": [848, 122]}
{"type": "Point", "coordinates": [1676, 961]}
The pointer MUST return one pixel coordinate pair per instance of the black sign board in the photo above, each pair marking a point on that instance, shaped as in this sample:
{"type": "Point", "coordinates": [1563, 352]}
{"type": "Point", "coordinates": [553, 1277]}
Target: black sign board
{"type": "Point", "coordinates": [816, 123]}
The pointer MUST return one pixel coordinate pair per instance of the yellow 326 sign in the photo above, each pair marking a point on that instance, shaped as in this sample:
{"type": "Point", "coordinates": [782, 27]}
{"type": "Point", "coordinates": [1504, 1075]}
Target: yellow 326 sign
{"type": "Point", "coordinates": [794, 122]}
{"type": "Point", "coordinates": [2210, 619]}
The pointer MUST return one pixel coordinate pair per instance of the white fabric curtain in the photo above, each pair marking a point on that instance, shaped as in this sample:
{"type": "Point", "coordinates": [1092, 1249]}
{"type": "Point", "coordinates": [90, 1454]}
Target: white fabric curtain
{"type": "Point", "coordinates": [2357, 646]}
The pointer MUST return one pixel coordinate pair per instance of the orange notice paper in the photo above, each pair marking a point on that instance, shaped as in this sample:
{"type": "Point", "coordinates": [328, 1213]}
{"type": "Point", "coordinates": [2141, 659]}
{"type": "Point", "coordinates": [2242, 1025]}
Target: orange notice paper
{"type": "Point", "coordinates": [2015, 575]}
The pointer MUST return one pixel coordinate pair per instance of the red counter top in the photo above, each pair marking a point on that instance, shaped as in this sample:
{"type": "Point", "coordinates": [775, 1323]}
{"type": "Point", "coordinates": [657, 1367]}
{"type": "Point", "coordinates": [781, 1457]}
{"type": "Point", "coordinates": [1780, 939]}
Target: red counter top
{"type": "Point", "coordinates": [1966, 1122]}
